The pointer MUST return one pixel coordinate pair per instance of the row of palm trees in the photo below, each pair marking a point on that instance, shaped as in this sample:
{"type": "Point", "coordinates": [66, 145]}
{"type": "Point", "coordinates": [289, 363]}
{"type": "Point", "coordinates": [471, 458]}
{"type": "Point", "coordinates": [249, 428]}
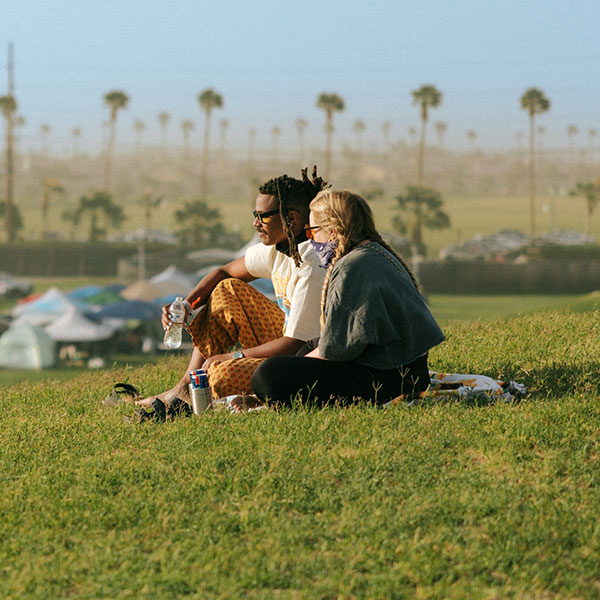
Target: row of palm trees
{"type": "Point", "coordinates": [117, 100]}
{"type": "Point", "coordinates": [426, 97]}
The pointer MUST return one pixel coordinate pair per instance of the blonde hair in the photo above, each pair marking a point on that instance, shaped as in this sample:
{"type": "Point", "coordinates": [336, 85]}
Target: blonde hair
{"type": "Point", "coordinates": [348, 219]}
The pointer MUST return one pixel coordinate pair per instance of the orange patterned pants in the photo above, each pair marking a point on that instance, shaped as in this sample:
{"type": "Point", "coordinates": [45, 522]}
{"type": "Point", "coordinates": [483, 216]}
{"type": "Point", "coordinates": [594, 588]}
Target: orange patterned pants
{"type": "Point", "coordinates": [235, 313]}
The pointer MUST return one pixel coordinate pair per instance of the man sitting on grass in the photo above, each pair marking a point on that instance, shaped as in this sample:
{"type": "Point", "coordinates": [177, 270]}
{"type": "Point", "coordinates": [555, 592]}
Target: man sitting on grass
{"type": "Point", "coordinates": [234, 313]}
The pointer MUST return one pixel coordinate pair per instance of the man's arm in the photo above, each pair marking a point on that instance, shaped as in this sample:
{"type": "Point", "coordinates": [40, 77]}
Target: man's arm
{"type": "Point", "coordinates": [236, 268]}
{"type": "Point", "coordinates": [283, 345]}
{"type": "Point", "coordinates": [200, 294]}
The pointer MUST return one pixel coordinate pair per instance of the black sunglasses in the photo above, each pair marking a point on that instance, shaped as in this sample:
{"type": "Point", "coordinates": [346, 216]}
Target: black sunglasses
{"type": "Point", "coordinates": [265, 217]}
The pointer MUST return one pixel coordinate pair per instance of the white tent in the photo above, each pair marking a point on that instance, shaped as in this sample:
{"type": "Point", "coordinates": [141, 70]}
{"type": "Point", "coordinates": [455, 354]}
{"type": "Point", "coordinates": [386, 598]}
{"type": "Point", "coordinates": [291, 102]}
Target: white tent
{"type": "Point", "coordinates": [26, 347]}
{"type": "Point", "coordinates": [74, 327]}
{"type": "Point", "coordinates": [175, 277]}
{"type": "Point", "coordinates": [45, 309]}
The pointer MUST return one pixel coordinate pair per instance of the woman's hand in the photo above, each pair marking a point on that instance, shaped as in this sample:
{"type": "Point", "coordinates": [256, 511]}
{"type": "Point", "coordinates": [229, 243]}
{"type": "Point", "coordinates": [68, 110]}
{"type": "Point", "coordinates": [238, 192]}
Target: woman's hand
{"type": "Point", "coordinates": [314, 353]}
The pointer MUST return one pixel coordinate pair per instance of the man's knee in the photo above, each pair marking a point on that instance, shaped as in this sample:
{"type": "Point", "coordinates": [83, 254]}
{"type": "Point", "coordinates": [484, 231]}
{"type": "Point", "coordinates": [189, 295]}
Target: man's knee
{"type": "Point", "coordinates": [231, 285]}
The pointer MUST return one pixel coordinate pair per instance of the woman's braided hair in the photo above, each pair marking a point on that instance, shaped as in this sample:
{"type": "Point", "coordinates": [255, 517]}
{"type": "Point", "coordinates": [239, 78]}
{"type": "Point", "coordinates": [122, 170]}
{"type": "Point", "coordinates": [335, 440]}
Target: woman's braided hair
{"type": "Point", "coordinates": [297, 194]}
{"type": "Point", "coordinates": [351, 218]}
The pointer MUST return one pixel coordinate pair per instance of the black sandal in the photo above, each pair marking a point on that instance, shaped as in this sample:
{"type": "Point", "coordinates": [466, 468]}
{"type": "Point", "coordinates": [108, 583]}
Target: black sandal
{"type": "Point", "coordinates": [122, 393]}
{"type": "Point", "coordinates": [160, 413]}
{"type": "Point", "coordinates": [178, 408]}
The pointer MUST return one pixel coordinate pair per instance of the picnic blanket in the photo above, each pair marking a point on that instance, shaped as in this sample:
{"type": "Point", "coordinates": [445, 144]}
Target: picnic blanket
{"type": "Point", "coordinates": [471, 388]}
{"type": "Point", "coordinates": [468, 388]}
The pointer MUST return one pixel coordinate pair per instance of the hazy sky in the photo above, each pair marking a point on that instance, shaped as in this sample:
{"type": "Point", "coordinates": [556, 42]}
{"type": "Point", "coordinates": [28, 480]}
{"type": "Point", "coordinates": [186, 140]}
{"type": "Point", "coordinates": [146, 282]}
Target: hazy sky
{"type": "Point", "coordinates": [270, 60]}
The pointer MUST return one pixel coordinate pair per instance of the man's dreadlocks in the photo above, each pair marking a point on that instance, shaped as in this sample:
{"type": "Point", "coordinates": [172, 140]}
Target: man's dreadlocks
{"type": "Point", "coordinates": [293, 193]}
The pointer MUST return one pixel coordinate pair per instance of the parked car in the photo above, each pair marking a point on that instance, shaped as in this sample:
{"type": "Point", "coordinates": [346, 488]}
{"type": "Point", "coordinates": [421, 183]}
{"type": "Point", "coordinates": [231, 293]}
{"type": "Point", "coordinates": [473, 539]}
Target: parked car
{"type": "Point", "coordinates": [11, 287]}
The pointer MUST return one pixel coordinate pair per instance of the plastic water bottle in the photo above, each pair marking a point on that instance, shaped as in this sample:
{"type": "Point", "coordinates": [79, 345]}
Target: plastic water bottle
{"type": "Point", "coordinates": [177, 315]}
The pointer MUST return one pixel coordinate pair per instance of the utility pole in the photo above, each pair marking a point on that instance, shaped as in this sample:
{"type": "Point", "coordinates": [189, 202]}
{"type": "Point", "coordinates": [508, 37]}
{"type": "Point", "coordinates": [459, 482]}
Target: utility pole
{"type": "Point", "coordinates": [10, 112]}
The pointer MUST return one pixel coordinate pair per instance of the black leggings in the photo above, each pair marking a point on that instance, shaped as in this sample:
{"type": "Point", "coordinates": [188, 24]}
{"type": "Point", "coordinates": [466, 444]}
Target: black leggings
{"type": "Point", "coordinates": [319, 382]}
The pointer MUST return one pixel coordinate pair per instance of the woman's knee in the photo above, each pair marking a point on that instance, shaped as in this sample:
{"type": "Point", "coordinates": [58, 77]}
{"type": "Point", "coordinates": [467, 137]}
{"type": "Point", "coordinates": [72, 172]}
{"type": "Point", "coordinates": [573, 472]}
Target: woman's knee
{"type": "Point", "coordinates": [270, 377]}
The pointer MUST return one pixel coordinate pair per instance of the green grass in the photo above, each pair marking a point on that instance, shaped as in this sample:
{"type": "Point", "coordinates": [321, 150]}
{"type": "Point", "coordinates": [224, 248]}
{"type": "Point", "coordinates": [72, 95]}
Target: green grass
{"type": "Point", "coordinates": [441, 501]}
{"type": "Point", "coordinates": [446, 308]}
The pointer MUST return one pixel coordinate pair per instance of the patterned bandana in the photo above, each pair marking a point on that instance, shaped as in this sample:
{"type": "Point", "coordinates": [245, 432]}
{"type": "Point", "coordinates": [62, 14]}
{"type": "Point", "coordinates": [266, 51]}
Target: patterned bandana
{"type": "Point", "coordinates": [325, 251]}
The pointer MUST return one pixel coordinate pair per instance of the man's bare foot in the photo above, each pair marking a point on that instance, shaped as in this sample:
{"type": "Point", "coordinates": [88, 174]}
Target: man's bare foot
{"type": "Point", "coordinates": [179, 391]}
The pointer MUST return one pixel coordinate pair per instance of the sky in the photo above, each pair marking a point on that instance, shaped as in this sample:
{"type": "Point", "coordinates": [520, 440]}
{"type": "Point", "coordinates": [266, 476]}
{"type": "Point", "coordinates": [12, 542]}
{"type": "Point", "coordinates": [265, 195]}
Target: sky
{"type": "Point", "coordinates": [270, 60]}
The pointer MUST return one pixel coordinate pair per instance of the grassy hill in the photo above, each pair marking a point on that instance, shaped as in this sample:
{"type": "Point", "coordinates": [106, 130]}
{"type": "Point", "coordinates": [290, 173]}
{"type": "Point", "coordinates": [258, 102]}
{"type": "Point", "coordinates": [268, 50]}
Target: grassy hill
{"type": "Point", "coordinates": [441, 501]}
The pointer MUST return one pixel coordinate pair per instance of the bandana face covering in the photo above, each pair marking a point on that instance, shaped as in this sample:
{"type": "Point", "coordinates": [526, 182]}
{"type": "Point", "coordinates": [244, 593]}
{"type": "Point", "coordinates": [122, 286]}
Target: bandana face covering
{"type": "Point", "coordinates": [325, 251]}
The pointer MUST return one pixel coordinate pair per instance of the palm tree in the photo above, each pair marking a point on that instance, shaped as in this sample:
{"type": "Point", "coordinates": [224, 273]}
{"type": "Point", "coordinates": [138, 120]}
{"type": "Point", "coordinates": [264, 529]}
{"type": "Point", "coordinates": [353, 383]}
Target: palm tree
{"type": "Point", "coordinates": [541, 131]}
{"type": "Point", "coordinates": [412, 135]}
{"type": "Point", "coordinates": [163, 120]}
{"type": "Point", "coordinates": [76, 136]}
{"type": "Point", "coordinates": [421, 207]}
{"type": "Point", "coordinates": [224, 126]}
{"type": "Point", "coordinates": [359, 128]}
{"type": "Point", "coordinates": [534, 102]}
{"type": "Point", "coordinates": [330, 104]}
{"type": "Point", "coordinates": [426, 97]}
{"type": "Point", "coordinates": [20, 122]}
{"type": "Point", "coordinates": [115, 100]}
{"type": "Point", "coordinates": [471, 136]}
{"type": "Point", "coordinates": [138, 127]}
{"type": "Point", "coordinates": [275, 133]}
{"type": "Point", "coordinates": [17, 221]}
{"type": "Point", "coordinates": [208, 100]}
{"type": "Point", "coordinates": [199, 222]}
{"type": "Point", "coordinates": [50, 186]}
{"type": "Point", "coordinates": [440, 130]}
{"type": "Point", "coordinates": [572, 131]}
{"type": "Point", "coordinates": [591, 194]}
{"type": "Point", "coordinates": [148, 204]}
{"type": "Point", "coordinates": [301, 125]}
{"type": "Point", "coordinates": [592, 135]}
{"type": "Point", "coordinates": [8, 106]}
{"type": "Point", "coordinates": [99, 207]}
{"type": "Point", "coordinates": [45, 130]}
{"type": "Point", "coordinates": [386, 128]}
{"type": "Point", "coordinates": [186, 127]}
{"type": "Point", "coordinates": [251, 150]}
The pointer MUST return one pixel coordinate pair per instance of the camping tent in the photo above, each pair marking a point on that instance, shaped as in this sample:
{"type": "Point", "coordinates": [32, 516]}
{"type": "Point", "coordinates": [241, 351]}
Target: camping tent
{"type": "Point", "coordinates": [74, 327]}
{"type": "Point", "coordinates": [178, 279]}
{"type": "Point", "coordinates": [26, 347]}
{"type": "Point", "coordinates": [46, 308]}
{"type": "Point", "coordinates": [130, 309]}
{"type": "Point", "coordinates": [144, 290]}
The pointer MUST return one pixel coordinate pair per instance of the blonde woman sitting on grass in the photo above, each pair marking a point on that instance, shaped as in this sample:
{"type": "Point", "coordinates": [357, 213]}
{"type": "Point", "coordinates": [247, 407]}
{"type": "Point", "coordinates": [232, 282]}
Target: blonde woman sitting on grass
{"type": "Point", "coordinates": [376, 328]}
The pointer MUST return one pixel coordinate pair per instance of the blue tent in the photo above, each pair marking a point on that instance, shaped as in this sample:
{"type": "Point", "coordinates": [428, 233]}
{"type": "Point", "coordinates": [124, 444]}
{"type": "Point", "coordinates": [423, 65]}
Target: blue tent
{"type": "Point", "coordinates": [130, 309]}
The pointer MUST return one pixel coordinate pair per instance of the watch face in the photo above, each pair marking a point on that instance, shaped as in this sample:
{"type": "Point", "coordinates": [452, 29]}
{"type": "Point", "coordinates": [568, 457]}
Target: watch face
{"type": "Point", "coordinates": [238, 354]}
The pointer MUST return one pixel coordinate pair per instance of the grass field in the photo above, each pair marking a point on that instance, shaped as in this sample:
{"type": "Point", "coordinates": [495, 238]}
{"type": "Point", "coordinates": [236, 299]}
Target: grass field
{"type": "Point", "coordinates": [437, 501]}
{"type": "Point", "coordinates": [446, 308]}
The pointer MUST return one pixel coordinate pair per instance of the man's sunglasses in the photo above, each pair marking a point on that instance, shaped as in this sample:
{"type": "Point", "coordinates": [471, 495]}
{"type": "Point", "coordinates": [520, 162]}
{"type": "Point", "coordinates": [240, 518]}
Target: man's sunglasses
{"type": "Point", "coordinates": [265, 217]}
{"type": "Point", "coordinates": [308, 230]}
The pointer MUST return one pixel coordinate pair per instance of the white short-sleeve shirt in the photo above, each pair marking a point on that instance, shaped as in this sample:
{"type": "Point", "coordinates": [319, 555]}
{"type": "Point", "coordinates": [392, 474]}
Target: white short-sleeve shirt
{"type": "Point", "coordinates": [297, 289]}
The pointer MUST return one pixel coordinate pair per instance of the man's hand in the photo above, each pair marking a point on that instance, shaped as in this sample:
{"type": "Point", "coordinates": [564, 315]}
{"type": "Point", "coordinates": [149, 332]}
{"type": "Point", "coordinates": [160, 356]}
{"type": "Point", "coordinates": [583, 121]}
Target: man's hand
{"type": "Point", "coordinates": [216, 359]}
{"type": "Point", "coordinates": [166, 321]}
